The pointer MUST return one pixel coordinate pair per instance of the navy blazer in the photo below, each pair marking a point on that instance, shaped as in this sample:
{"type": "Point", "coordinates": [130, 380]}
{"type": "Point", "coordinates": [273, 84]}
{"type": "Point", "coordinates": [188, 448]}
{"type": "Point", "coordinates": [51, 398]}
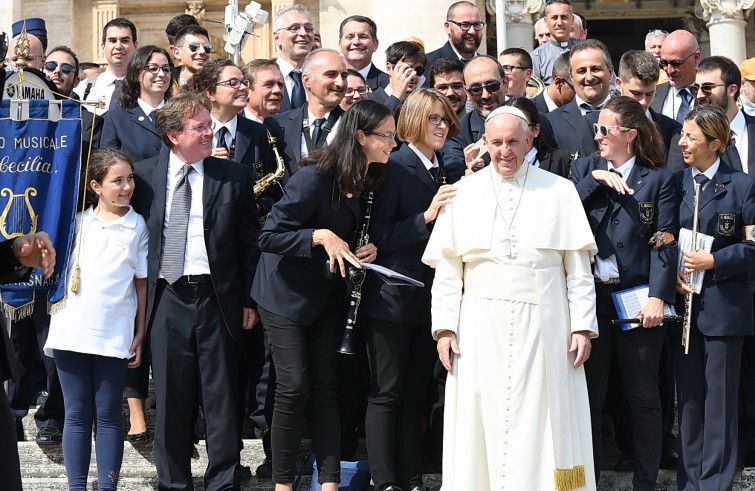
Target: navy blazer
{"type": "Point", "coordinates": [634, 219]}
{"type": "Point", "coordinates": [390, 101]}
{"type": "Point", "coordinates": [231, 228]}
{"type": "Point", "coordinates": [376, 78]}
{"type": "Point", "coordinates": [445, 51]}
{"type": "Point", "coordinates": [130, 130]}
{"type": "Point", "coordinates": [555, 161]}
{"type": "Point", "coordinates": [399, 231]}
{"type": "Point", "coordinates": [570, 130]}
{"type": "Point", "coordinates": [667, 127]}
{"type": "Point", "coordinates": [253, 149]}
{"type": "Point", "coordinates": [290, 279]}
{"type": "Point", "coordinates": [472, 127]}
{"type": "Point", "coordinates": [726, 206]}
{"type": "Point", "coordinates": [287, 128]}
{"type": "Point", "coordinates": [540, 103]}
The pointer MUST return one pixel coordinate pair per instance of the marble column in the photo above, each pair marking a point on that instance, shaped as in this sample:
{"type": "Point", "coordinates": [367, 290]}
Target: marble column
{"type": "Point", "coordinates": [520, 17]}
{"type": "Point", "coordinates": [103, 11]}
{"type": "Point", "coordinates": [726, 20]}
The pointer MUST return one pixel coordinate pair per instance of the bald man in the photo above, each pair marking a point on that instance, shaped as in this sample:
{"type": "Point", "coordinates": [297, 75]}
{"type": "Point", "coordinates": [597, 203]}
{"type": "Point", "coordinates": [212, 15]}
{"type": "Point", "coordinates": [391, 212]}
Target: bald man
{"type": "Point", "coordinates": [36, 58]}
{"type": "Point", "coordinates": [680, 55]}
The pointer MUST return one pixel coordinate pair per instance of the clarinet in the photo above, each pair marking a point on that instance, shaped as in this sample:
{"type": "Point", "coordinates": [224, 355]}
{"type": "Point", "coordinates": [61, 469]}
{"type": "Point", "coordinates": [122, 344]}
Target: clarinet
{"type": "Point", "coordinates": [690, 278]}
{"type": "Point", "coordinates": [356, 278]}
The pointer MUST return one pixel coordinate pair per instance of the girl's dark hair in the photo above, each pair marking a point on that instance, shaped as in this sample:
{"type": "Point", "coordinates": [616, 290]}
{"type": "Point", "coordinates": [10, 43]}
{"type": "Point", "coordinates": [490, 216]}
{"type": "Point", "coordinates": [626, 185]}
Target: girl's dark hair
{"type": "Point", "coordinates": [344, 155]}
{"type": "Point", "coordinates": [208, 77]}
{"type": "Point", "coordinates": [130, 87]}
{"type": "Point", "coordinates": [648, 146]}
{"type": "Point", "coordinates": [99, 164]}
{"type": "Point", "coordinates": [529, 109]}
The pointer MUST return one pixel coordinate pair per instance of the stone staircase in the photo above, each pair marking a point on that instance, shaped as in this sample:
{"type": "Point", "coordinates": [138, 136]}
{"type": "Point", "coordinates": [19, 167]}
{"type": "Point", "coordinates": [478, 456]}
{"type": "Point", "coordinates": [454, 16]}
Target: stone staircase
{"type": "Point", "coordinates": [42, 467]}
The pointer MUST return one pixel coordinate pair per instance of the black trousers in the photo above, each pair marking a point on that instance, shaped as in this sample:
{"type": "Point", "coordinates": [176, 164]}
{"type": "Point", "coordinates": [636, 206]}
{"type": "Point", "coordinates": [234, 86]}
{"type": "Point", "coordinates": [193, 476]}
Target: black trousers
{"type": "Point", "coordinates": [401, 358]}
{"type": "Point", "coordinates": [638, 353]}
{"type": "Point", "coordinates": [747, 402]}
{"type": "Point", "coordinates": [707, 383]}
{"type": "Point", "coordinates": [29, 336]}
{"type": "Point", "coordinates": [137, 379]}
{"type": "Point", "coordinates": [9, 463]}
{"type": "Point", "coordinates": [194, 357]}
{"type": "Point", "coordinates": [306, 357]}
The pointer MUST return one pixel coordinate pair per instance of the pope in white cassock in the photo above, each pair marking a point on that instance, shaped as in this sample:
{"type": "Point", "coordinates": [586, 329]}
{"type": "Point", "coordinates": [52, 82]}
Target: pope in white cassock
{"type": "Point", "coordinates": [513, 311]}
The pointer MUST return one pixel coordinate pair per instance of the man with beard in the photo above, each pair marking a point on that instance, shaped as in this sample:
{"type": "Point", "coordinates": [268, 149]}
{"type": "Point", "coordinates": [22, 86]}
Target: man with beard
{"type": "Point", "coordinates": [302, 130]}
{"type": "Point", "coordinates": [266, 89]}
{"type": "Point", "coordinates": [591, 70]}
{"type": "Point", "coordinates": [561, 91]}
{"type": "Point", "coordinates": [486, 87]}
{"type": "Point", "coordinates": [447, 76]}
{"type": "Point", "coordinates": [559, 17]}
{"type": "Point", "coordinates": [357, 38]}
{"type": "Point", "coordinates": [118, 46]}
{"type": "Point", "coordinates": [680, 55]}
{"type": "Point", "coordinates": [464, 30]}
{"type": "Point", "coordinates": [192, 49]}
{"type": "Point", "coordinates": [294, 36]}
{"type": "Point", "coordinates": [405, 63]}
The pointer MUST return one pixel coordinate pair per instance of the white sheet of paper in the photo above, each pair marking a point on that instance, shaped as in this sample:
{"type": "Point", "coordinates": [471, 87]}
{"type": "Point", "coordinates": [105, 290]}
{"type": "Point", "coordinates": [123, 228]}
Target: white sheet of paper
{"type": "Point", "coordinates": [704, 242]}
{"type": "Point", "coordinates": [634, 299]}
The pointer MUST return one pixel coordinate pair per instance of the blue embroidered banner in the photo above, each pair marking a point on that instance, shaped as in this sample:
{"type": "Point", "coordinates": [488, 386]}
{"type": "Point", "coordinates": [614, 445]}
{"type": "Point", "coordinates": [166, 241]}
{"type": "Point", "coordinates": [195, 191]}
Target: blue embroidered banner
{"type": "Point", "coordinates": [40, 163]}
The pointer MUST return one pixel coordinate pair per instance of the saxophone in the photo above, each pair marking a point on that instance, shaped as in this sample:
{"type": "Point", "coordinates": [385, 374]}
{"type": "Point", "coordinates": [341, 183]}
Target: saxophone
{"type": "Point", "coordinates": [274, 177]}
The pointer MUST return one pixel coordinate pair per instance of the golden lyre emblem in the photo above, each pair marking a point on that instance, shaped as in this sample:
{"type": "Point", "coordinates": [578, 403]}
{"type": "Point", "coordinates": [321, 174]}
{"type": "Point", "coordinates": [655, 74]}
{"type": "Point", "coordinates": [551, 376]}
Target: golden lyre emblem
{"type": "Point", "coordinates": [18, 214]}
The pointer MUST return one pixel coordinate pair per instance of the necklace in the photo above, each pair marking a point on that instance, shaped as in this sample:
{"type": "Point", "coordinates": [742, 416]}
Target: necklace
{"type": "Point", "coordinates": [509, 242]}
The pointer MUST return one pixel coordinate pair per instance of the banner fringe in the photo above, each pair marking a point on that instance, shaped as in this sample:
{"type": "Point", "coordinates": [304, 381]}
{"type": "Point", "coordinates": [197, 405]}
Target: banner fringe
{"type": "Point", "coordinates": [18, 313]}
{"type": "Point", "coordinates": [567, 479]}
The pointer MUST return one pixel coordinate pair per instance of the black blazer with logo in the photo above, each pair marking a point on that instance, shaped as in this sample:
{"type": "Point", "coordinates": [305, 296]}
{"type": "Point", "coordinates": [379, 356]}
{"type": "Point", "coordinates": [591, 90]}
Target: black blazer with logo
{"type": "Point", "coordinates": [130, 130]}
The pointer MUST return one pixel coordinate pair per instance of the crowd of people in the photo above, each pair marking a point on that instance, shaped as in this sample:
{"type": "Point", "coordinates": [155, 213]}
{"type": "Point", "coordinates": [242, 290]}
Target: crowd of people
{"type": "Point", "coordinates": [236, 214]}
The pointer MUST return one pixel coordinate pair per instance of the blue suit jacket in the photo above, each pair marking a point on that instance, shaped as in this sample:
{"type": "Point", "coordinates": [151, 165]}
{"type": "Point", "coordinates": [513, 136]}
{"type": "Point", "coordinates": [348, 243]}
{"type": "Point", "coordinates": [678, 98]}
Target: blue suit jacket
{"type": "Point", "coordinates": [472, 127]}
{"type": "Point", "coordinates": [399, 231]}
{"type": "Point", "coordinates": [130, 130]}
{"type": "Point", "coordinates": [390, 101]}
{"type": "Point", "coordinates": [724, 306]}
{"type": "Point", "coordinates": [290, 279]}
{"type": "Point", "coordinates": [570, 130]}
{"type": "Point", "coordinates": [634, 219]}
{"type": "Point", "coordinates": [287, 127]}
{"type": "Point", "coordinates": [377, 78]}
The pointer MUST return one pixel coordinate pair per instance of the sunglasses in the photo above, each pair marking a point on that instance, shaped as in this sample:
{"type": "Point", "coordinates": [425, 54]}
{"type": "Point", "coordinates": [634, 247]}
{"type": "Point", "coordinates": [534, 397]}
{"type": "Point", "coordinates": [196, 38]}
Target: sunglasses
{"type": "Point", "coordinates": [234, 83]}
{"type": "Point", "coordinates": [707, 88]}
{"type": "Point", "coordinates": [419, 70]}
{"type": "Point", "coordinates": [490, 87]}
{"type": "Point", "coordinates": [155, 69]}
{"type": "Point", "coordinates": [605, 129]}
{"type": "Point", "coordinates": [675, 63]}
{"type": "Point", "coordinates": [66, 68]}
{"type": "Point", "coordinates": [436, 120]}
{"type": "Point", "coordinates": [193, 47]}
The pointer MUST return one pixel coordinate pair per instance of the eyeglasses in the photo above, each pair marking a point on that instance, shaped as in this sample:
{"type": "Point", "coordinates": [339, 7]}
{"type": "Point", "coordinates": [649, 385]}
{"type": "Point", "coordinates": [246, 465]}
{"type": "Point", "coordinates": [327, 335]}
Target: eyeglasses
{"type": "Point", "coordinates": [385, 136]}
{"type": "Point", "coordinates": [464, 26]}
{"type": "Point", "coordinates": [295, 28]}
{"type": "Point", "coordinates": [456, 86]}
{"type": "Point", "coordinates": [359, 90]}
{"type": "Point", "coordinates": [436, 120]}
{"type": "Point", "coordinates": [202, 128]}
{"type": "Point", "coordinates": [490, 87]}
{"type": "Point", "coordinates": [569, 84]}
{"type": "Point", "coordinates": [605, 129]}
{"type": "Point", "coordinates": [511, 68]}
{"type": "Point", "coordinates": [675, 63]}
{"type": "Point", "coordinates": [51, 66]}
{"type": "Point", "coordinates": [155, 69]}
{"type": "Point", "coordinates": [194, 46]}
{"type": "Point", "coordinates": [234, 83]}
{"type": "Point", "coordinates": [707, 88]}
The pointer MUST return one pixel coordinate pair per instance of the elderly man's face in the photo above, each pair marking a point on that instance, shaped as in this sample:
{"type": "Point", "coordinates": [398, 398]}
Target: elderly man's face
{"type": "Point", "coordinates": [36, 56]}
{"type": "Point", "coordinates": [507, 142]}
{"type": "Point", "coordinates": [653, 46]}
{"type": "Point", "coordinates": [266, 93]}
{"type": "Point", "coordinates": [296, 38]}
{"type": "Point", "coordinates": [542, 32]}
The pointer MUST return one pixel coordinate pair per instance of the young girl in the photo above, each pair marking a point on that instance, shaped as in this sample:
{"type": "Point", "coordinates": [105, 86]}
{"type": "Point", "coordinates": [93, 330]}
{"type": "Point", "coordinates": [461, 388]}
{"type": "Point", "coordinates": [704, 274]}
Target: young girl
{"type": "Point", "coordinates": [101, 326]}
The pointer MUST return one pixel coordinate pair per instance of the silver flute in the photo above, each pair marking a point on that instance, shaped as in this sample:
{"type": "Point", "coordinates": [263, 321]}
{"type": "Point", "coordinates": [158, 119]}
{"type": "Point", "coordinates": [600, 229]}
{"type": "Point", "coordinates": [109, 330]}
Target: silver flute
{"type": "Point", "coordinates": [690, 277]}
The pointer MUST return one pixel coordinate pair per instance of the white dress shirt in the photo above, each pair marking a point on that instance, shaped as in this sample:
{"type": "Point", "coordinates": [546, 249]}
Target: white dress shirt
{"type": "Point", "coordinates": [231, 125]}
{"type": "Point", "coordinates": [148, 108]}
{"type": "Point", "coordinates": [286, 69]}
{"type": "Point", "coordinates": [429, 164]}
{"type": "Point", "coordinates": [674, 101]}
{"type": "Point", "coordinates": [552, 106]}
{"type": "Point", "coordinates": [709, 173]}
{"type": "Point", "coordinates": [328, 139]}
{"type": "Point", "coordinates": [104, 86]}
{"type": "Point", "coordinates": [580, 101]}
{"type": "Point", "coordinates": [739, 133]}
{"type": "Point", "coordinates": [195, 257]}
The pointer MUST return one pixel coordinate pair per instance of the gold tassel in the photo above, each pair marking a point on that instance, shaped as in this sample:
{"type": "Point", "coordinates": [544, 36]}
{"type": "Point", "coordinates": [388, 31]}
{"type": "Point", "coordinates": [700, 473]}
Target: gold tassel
{"type": "Point", "coordinates": [567, 479]}
{"type": "Point", "coordinates": [54, 308]}
{"type": "Point", "coordinates": [76, 279]}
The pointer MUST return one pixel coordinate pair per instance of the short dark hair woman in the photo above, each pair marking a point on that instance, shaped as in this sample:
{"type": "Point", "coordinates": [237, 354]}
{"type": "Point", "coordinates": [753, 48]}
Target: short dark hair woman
{"type": "Point", "coordinates": [145, 88]}
{"type": "Point", "coordinates": [632, 209]}
{"type": "Point", "coordinates": [302, 307]}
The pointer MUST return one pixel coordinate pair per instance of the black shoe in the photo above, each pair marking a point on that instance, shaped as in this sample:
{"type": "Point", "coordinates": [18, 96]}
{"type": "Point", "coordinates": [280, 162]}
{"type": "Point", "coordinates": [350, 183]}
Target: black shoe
{"type": "Point", "coordinates": [20, 436]}
{"type": "Point", "coordinates": [418, 488]}
{"type": "Point", "coordinates": [265, 469]}
{"type": "Point", "coordinates": [49, 436]}
{"type": "Point", "coordinates": [391, 487]}
{"type": "Point", "coordinates": [624, 465]}
{"type": "Point", "coordinates": [669, 459]}
{"type": "Point", "coordinates": [245, 472]}
{"type": "Point", "coordinates": [142, 437]}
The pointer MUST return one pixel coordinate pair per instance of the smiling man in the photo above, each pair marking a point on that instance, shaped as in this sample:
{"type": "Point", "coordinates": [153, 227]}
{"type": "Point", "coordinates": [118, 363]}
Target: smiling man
{"type": "Point", "coordinates": [294, 37]}
{"type": "Point", "coordinates": [464, 30]}
{"type": "Point", "coordinates": [447, 76]}
{"type": "Point", "coordinates": [559, 17]}
{"type": "Point", "coordinates": [357, 38]}
{"type": "Point", "coordinates": [266, 89]}
{"type": "Point", "coordinates": [680, 55]}
{"type": "Point", "coordinates": [405, 63]}
{"type": "Point", "coordinates": [192, 49]}
{"type": "Point", "coordinates": [118, 46]}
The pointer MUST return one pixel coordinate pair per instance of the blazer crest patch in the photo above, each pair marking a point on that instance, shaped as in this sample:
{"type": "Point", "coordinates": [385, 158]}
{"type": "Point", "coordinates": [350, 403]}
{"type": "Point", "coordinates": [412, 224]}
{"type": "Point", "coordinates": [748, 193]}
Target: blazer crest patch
{"type": "Point", "coordinates": [647, 211]}
{"type": "Point", "coordinates": [726, 224]}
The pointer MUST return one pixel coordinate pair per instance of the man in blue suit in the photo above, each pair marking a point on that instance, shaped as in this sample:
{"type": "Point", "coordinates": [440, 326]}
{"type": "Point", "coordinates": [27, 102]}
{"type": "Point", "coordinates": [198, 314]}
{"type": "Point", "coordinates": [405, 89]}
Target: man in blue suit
{"type": "Point", "coordinates": [357, 38]}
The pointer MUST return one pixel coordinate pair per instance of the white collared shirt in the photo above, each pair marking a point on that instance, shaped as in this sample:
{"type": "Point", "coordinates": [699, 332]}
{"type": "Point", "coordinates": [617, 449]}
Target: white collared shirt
{"type": "Point", "coordinates": [531, 158]}
{"type": "Point", "coordinates": [104, 86]}
{"type": "Point", "coordinates": [328, 139]}
{"type": "Point", "coordinates": [195, 257]}
{"type": "Point", "coordinates": [608, 268]}
{"type": "Point", "coordinates": [286, 69]}
{"type": "Point", "coordinates": [674, 101]}
{"type": "Point", "coordinates": [739, 133]}
{"type": "Point", "coordinates": [364, 71]}
{"type": "Point", "coordinates": [248, 115]}
{"type": "Point", "coordinates": [580, 101]}
{"type": "Point", "coordinates": [429, 164]}
{"type": "Point", "coordinates": [148, 108]}
{"type": "Point", "coordinates": [709, 173]}
{"type": "Point", "coordinates": [231, 125]}
{"type": "Point", "coordinates": [552, 106]}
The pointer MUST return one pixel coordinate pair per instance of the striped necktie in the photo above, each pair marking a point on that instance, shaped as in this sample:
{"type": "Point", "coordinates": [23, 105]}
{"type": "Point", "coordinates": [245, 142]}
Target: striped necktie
{"type": "Point", "coordinates": [174, 248]}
